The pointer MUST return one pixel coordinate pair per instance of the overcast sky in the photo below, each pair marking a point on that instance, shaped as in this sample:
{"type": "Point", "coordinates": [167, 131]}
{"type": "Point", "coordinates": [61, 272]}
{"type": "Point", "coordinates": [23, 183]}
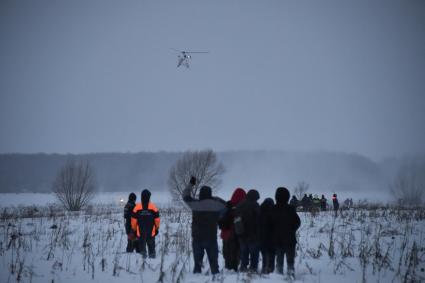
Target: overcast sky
{"type": "Point", "coordinates": [94, 76]}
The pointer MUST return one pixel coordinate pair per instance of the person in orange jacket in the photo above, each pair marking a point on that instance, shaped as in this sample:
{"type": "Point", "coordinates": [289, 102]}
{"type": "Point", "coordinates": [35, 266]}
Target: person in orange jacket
{"type": "Point", "coordinates": [145, 221]}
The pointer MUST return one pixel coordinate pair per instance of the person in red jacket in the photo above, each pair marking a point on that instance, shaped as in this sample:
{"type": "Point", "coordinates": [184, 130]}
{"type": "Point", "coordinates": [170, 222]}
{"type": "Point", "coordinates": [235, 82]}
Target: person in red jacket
{"type": "Point", "coordinates": [231, 251]}
{"type": "Point", "coordinates": [145, 221]}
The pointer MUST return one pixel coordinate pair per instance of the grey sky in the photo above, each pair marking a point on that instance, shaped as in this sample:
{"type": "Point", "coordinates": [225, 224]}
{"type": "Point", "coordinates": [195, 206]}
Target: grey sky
{"type": "Point", "coordinates": [92, 76]}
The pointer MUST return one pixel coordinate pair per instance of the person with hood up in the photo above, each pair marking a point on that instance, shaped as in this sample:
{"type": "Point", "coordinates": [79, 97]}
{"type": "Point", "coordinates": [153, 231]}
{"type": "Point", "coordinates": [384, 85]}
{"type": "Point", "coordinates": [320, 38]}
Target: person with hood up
{"type": "Point", "coordinates": [145, 221]}
{"type": "Point", "coordinates": [205, 214]}
{"type": "Point", "coordinates": [247, 216]}
{"type": "Point", "coordinates": [266, 245]}
{"type": "Point", "coordinates": [285, 223]}
{"type": "Point", "coordinates": [231, 252]}
{"type": "Point", "coordinates": [131, 234]}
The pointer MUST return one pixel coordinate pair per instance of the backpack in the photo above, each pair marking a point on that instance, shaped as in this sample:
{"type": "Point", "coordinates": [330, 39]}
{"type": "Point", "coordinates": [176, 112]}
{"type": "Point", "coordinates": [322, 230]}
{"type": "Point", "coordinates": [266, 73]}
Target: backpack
{"type": "Point", "coordinates": [225, 220]}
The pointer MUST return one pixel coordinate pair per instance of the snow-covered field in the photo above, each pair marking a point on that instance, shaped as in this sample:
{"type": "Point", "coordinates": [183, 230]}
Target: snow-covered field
{"type": "Point", "coordinates": [46, 244]}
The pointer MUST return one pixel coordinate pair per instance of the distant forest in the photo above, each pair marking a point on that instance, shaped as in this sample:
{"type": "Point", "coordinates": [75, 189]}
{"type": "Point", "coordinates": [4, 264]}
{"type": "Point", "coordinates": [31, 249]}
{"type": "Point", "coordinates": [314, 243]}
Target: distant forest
{"type": "Point", "coordinates": [250, 169]}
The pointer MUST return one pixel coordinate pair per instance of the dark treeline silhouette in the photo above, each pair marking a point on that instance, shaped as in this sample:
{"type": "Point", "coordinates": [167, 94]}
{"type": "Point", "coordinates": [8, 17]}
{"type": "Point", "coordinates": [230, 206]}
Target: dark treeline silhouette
{"type": "Point", "coordinates": [113, 171]}
{"type": "Point", "coordinates": [324, 171]}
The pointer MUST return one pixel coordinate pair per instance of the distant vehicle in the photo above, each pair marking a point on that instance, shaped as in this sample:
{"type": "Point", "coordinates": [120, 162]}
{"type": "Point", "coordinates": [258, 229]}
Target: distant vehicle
{"type": "Point", "coordinates": [184, 57]}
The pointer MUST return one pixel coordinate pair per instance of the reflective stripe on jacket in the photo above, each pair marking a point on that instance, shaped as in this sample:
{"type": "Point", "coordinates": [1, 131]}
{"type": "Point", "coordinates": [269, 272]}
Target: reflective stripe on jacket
{"type": "Point", "coordinates": [156, 220]}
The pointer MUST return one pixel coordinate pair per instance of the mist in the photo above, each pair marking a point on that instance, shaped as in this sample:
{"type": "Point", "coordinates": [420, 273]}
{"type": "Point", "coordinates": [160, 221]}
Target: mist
{"type": "Point", "coordinates": [351, 175]}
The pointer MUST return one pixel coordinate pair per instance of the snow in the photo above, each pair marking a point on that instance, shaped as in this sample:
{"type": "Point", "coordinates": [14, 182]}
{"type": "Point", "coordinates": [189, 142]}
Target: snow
{"type": "Point", "coordinates": [375, 245]}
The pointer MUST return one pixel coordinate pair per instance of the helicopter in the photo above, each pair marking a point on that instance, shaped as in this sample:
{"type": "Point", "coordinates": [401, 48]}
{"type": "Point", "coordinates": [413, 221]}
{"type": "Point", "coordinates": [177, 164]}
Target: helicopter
{"type": "Point", "coordinates": [184, 57]}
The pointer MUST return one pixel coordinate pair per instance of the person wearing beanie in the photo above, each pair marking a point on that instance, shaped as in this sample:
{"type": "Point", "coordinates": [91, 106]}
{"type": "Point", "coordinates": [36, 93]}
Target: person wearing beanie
{"type": "Point", "coordinates": [131, 234]}
{"type": "Point", "coordinates": [285, 223]}
{"type": "Point", "coordinates": [247, 228]}
{"type": "Point", "coordinates": [205, 214]}
{"type": "Point", "coordinates": [231, 252]}
{"type": "Point", "coordinates": [145, 221]}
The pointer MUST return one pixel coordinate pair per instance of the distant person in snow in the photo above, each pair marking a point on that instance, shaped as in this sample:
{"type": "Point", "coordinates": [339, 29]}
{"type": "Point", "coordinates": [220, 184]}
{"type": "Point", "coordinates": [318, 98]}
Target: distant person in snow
{"type": "Point", "coordinates": [294, 202]}
{"type": "Point", "coordinates": [205, 214]}
{"type": "Point", "coordinates": [231, 251]}
{"type": "Point", "coordinates": [247, 218]}
{"type": "Point", "coordinates": [348, 203]}
{"type": "Point", "coordinates": [323, 203]}
{"type": "Point", "coordinates": [266, 231]}
{"type": "Point", "coordinates": [145, 221]}
{"type": "Point", "coordinates": [316, 205]}
{"type": "Point", "coordinates": [305, 202]}
{"type": "Point", "coordinates": [335, 204]}
{"type": "Point", "coordinates": [285, 223]}
{"type": "Point", "coordinates": [131, 234]}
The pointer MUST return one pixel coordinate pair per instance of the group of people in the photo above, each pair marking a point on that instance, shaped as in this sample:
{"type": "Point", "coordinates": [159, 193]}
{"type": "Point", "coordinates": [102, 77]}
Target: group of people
{"type": "Point", "coordinates": [314, 203]}
{"type": "Point", "coordinates": [248, 229]}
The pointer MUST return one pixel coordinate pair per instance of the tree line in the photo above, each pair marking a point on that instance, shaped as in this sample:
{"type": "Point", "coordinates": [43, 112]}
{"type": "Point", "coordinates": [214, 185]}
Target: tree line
{"type": "Point", "coordinates": [258, 169]}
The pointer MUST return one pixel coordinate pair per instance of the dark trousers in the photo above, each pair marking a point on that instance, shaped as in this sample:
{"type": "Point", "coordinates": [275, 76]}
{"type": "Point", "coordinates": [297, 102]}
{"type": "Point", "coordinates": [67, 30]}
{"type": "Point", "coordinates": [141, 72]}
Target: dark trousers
{"type": "Point", "coordinates": [268, 259]}
{"type": "Point", "coordinates": [289, 251]}
{"type": "Point", "coordinates": [199, 248]}
{"type": "Point", "coordinates": [249, 254]}
{"type": "Point", "coordinates": [231, 253]}
{"type": "Point", "coordinates": [131, 246]}
{"type": "Point", "coordinates": [150, 242]}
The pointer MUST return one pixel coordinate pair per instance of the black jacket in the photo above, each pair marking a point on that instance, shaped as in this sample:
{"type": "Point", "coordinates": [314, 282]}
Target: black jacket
{"type": "Point", "coordinates": [205, 213]}
{"type": "Point", "coordinates": [227, 216]}
{"type": "Point", "coordinates": [128, 209]}
{"type": "Point", "coordinates": [285, 222]}
{"type": "Point", "coordinates": [249, 210]}
{"type": "Point", "coordinates": [265, 223]}
{"type": "Point", "coordinates": [335, 203]}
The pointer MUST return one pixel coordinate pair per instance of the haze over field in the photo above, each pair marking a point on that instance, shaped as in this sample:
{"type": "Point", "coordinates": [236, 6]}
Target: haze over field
{"type": "Point", "coordinates": [326, 172]}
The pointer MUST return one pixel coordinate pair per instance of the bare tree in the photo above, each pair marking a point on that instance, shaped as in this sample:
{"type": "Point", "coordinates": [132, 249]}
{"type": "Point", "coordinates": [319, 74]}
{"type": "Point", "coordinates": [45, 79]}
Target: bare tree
{"type": "Point", "coordinates": [74, 185]}
{"type": "Point", "coordinates": [300, 189]}
{"type": "Point", "coordinates": [408, 186]}
{"type": "Point", "coordinates": [203, 165]}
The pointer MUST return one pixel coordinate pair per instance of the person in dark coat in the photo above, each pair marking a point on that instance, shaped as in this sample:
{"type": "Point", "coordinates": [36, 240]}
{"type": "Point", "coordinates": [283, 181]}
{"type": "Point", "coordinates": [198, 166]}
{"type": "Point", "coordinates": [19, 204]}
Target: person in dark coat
{"type": "Point", "coordinates": [248, 212]}
{"type": "Point", "coordinates": [294, 201]}
{"type": "Point", "coordinates": [205, 214]}
{"type": "Point", "coordinates": [131, 234]}
{"type": "Point", "coordinates": [265, 227]}
{"type": "Point", "coordinates": [231, 252]}
{"type": "Point", "coordinates": [305, 202]}
{"type": "Point", "coordinates": [145, 221]}
{"type": "Point", "coordinates": [335, 203]}
{"type": "Point", "coordinates": [323, 203]}
{"type": "Point", "coordinates": [285, 222]}
{"type": "Point", "coordinates": [310, 202]}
